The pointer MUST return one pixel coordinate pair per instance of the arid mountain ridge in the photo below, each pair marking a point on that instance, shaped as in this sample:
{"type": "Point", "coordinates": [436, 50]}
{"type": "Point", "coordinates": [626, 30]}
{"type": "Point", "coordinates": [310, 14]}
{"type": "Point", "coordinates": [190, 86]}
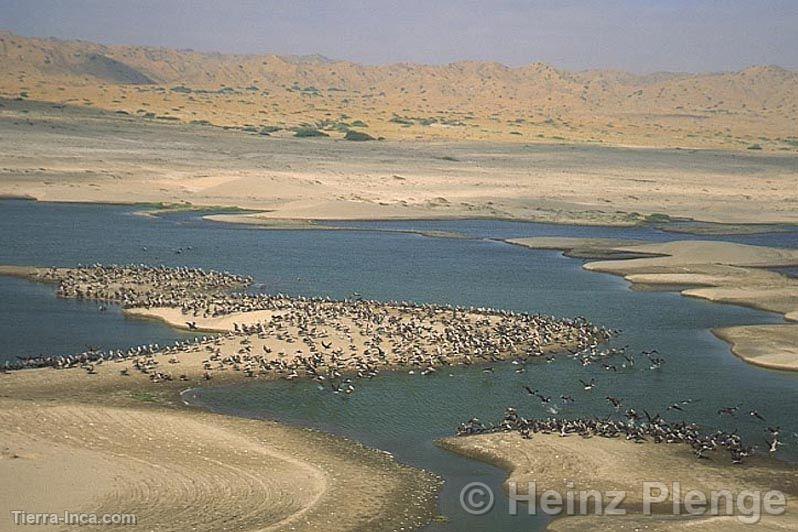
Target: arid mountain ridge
{"type": "Point", "coordinates": [754, 108]}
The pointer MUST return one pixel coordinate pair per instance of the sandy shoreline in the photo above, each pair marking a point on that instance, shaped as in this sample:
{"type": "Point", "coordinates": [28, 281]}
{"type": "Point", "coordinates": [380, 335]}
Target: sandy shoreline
{"type": "Point", "coordinates": [721, 272]}
{"type": "Point", "coordinates": [124, 160]}
{"type": "Point", "coordinates": [176, 467]}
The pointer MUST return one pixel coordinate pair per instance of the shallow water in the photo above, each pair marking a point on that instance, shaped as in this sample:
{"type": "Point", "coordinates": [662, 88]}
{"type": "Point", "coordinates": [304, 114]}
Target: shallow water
{"type": "Point", "coordinates": [397, 412]}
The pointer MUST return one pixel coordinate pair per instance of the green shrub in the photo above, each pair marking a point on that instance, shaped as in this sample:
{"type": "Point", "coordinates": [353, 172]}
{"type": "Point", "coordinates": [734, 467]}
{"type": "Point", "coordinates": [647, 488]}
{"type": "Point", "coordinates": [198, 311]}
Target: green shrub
{"type": "Point", "coordinates": [357, 136]}
{"type": "Point", "coordinates": [304, 132]}
{"type": "Point", "coordinates": [657, 217]}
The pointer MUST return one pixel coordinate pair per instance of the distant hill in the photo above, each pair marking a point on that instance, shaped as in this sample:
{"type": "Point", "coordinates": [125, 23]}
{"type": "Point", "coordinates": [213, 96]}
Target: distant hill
{"type": "Point", "coordinates": [753, 108]}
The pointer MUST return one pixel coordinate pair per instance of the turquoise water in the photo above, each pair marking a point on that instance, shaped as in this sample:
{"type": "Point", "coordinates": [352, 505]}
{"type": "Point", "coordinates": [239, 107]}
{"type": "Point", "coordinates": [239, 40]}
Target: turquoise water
{"type": "Point", "coordinates": [400, 413]}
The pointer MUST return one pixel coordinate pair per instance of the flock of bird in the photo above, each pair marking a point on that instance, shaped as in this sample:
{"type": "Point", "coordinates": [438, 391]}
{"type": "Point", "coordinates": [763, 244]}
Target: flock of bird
{"type": "Point", "coordinates": [633, 425]}
{"type": "Point", "coordinates": [652, 428]}
{"type": "Point", "coordinates": [331, 342]}
{"type": "Point", "coordinates": [140, 285]}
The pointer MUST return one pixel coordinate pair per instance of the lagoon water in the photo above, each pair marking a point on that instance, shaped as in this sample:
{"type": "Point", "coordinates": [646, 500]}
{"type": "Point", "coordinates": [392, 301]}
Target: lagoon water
{"type": "Point", "coordinates": [400, 413]}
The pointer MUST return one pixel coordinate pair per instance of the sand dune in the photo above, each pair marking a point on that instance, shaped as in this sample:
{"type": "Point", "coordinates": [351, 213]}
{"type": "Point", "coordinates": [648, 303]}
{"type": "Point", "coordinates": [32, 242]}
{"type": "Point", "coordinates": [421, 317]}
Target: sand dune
{"type": "Point", "coordinates": [468, 100]}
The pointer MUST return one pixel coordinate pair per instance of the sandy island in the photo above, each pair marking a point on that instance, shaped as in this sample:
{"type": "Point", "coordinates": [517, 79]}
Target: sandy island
{"type": "Point", "coordinates": [723, 272]}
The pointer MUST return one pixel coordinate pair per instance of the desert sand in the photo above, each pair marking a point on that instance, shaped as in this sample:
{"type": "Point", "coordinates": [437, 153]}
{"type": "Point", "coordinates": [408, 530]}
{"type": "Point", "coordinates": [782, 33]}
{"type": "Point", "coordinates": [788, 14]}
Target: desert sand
{"type": "Point", "coordinates": [83, 155]}
{"type": "Point", "coordinates": [616, 464]}
{"type": "Point", "coordinates": [755, 108]}
{"type": "Point", "coordinates": [722, 272]}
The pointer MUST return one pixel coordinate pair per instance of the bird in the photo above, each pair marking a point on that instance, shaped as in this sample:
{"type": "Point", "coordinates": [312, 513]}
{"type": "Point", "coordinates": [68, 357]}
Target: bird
{"type": "Point", "coordinates": [656, 362]}
{"type": "Point", "coordinates": [728, 410]}
{"type": "Point", "coordinates": [588, 385]}
{"type": "Point", "coordinates": [614, 401]}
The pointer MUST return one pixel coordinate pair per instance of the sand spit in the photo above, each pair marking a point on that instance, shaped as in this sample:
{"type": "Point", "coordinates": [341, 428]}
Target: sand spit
{"type": "Point", "coordinates": [723, 272]}
{"type": "Point", "coordinates": [616, 464]}
{"type": "Point", "coordinates": [267, 223]}
{"type": "Point", "coordinates": [262, 221]}
{"type": "Point", "coordinates": [769, 346]}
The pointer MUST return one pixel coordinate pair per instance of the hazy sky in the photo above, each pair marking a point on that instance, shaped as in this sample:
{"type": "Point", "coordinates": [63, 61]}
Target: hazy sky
{"type": "Point", "coordinates": [641, 36]}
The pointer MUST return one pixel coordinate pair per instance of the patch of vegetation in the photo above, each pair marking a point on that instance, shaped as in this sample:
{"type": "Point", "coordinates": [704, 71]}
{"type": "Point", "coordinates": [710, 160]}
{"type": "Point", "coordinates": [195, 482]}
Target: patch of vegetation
{"type": "Point", "coordinates": [657, 217]}
{"type": "Point", "coordinates": [399, 120]}
{"type": "Point", "coordinates": [163, 207]}
{"type": "Point", "coordinates": [146, 397]}
{"type": "Point", "coordinates": [305, 132]}
{"type": "Point", "coordinates": [358, 136]}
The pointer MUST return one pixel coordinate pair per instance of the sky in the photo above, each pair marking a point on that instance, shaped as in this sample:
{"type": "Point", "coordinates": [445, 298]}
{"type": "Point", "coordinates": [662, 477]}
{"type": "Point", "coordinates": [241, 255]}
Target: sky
{"type": "Point", "coordinates": [634, 35]}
